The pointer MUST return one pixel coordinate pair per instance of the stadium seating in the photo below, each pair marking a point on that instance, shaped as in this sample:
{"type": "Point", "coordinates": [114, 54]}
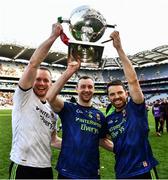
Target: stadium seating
{"type": "Point", "coordinates": [153, 80]}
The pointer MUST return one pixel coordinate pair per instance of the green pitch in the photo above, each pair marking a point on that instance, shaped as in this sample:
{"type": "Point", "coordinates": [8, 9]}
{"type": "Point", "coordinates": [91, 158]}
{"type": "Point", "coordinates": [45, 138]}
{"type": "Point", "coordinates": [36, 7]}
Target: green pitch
{"type": "Point", "coordinates": [159, 146]}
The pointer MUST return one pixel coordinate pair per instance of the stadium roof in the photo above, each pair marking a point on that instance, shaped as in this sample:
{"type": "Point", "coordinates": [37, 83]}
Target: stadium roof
{"type": "Point", "coordinates": [158, 55]}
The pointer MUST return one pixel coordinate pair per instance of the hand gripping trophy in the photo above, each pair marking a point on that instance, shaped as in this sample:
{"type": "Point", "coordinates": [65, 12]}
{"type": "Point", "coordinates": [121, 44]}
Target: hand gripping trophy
{"type": "Point", "coordinates": [86, 26]}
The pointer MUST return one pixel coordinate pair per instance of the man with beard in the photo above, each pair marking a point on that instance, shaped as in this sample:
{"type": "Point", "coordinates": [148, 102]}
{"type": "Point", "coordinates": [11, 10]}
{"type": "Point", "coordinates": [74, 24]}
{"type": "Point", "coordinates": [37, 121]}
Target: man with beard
{"type": "Point", "coordinates": [82, 128]}
{"type": "Point", "coordinates": [128, 124]}
{"type": "Point", "coordinates": [33, 120]}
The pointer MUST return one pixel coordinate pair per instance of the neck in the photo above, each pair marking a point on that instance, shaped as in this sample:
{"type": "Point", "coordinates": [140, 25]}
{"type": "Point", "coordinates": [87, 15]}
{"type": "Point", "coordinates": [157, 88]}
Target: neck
{"type": "Point", "coordinates": [43, 99]}
{"type": "Point", "coordinates": [85, 104]}
{"type": "Point", "coordinates": [119, 109]}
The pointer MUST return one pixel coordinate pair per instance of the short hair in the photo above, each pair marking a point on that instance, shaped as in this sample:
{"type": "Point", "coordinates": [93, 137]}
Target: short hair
{"type": "Point", "coordinates": [85, 77]}
{"type": "Point", "coordinates": [116, 82]}
{"type": "Point", "coordinates": [45, 69]}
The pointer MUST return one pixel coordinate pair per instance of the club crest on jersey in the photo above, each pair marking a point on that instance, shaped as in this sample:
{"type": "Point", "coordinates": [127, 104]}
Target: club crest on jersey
{"type": "Point", "coordinates": [37, 108]}
{"type": "Point", "coordinates": [98, 117]}
{"type": "Point", "coordinates": [124, 113]}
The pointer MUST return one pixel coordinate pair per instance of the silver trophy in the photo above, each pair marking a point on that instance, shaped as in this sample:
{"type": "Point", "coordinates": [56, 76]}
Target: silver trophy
{"type": "Point", "coordinates": [87, 26]}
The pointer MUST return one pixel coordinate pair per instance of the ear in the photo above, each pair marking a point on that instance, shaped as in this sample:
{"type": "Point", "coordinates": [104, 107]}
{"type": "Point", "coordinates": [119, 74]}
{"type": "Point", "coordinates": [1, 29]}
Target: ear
{"type": "Point", "coordinates": [127, 93]}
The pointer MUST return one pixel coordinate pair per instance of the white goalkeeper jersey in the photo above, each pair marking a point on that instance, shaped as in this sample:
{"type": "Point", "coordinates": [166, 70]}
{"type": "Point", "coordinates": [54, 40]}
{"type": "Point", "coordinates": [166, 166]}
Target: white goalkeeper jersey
{"type": "Point", "coordinates": [32, 125]}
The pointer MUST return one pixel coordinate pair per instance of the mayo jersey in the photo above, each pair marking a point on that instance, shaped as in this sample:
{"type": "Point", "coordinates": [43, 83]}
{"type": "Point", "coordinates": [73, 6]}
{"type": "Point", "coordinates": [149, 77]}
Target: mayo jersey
{"type": "Point", "coordinates": [129, 132]}
{"type": "Point", "coordinates": [82, 127]}
{"type": "Point", "coordinates": [32, 125]}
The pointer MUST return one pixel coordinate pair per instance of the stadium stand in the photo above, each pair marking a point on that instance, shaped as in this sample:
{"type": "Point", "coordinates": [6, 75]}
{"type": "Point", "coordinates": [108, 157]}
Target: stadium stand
{"type": "Point", "coordinates": [151, 67]}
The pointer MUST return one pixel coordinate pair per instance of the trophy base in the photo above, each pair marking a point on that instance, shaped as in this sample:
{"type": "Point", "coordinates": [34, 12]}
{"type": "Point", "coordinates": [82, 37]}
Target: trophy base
{"type": "Point", "coordinates": [90, 53]}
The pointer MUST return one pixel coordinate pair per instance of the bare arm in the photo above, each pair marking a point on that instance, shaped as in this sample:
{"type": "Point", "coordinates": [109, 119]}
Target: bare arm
{"type": "Point", "coordinates": [129, 71]}
{"type": "Point", "coordinates": [106, 144]}
{"type": "Point", "coordinates": [52, 95]}
{"type": "Point", "coordinates": [38, 56]}
{"type": "Point", "coordinates": [56, 141]}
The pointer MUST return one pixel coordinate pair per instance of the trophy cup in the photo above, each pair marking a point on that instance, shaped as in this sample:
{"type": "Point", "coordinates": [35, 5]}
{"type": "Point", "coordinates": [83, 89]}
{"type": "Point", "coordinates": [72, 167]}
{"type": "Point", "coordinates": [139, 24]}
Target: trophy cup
{"type": "Point", "coordinates": [87, 26]}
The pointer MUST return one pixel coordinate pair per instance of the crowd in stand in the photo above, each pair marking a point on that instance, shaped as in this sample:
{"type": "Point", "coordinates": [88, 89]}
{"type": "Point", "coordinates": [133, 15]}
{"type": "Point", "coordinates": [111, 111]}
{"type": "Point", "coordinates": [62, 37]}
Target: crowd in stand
{"type": "Point", "coordinates": [6, 99]}
{"type": "Point", "coordinates": [15, 69]}
{"type": "Point", "coordinates": [11, 69]}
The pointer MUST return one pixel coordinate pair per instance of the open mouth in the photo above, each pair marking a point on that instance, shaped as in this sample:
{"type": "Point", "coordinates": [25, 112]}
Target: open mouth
{"type": "Point", "coordinates": [118, 101]}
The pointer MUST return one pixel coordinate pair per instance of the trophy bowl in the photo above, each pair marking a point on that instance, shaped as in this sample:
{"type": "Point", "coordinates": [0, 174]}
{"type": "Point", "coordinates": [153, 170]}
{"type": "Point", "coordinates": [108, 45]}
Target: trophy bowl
{"type": "Point", "coordinates": [87, 24]}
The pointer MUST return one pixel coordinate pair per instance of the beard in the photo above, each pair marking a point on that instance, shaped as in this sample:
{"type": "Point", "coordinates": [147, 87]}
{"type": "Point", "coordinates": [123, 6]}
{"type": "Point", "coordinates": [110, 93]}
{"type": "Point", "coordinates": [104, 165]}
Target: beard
{"type": "Point", "coordinates": [121, 105]}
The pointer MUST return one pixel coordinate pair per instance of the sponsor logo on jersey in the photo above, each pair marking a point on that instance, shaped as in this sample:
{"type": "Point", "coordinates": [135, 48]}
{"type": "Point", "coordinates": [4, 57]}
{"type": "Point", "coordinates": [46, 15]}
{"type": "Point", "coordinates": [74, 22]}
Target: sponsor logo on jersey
{"type": "Point", "coordinates": [145, 164]}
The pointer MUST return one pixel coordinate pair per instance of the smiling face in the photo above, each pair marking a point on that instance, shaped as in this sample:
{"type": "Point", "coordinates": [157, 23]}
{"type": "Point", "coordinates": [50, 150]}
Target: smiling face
{"type": "Point", "coordinates": [42, 83]}
{"type": "Point", "coordinates": [117, 96]}
{"type": "Point", "coordinates": [85, 90]}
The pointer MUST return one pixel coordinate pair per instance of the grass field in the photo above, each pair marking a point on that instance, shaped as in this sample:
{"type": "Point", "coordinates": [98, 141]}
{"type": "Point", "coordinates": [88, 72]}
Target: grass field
{"type": "Point", "coordinates": [159, 146]}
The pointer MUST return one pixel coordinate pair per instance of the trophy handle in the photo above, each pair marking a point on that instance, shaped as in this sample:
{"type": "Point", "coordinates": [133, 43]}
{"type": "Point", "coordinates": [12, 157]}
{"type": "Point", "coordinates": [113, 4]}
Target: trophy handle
{"type": "Point", "coordinates": [61, 20]}
{"type": "Point", "coordinates": [111, 26]}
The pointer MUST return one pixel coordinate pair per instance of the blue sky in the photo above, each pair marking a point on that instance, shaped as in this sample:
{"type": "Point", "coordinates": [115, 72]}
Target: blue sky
{"type": "Point", "coordinates": [142, 23]}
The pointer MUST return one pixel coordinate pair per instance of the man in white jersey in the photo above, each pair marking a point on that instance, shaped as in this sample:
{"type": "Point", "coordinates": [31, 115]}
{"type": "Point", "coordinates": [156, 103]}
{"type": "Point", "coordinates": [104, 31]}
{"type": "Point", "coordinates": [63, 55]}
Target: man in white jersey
{"type": "Point", "coordinates": [33, 120]}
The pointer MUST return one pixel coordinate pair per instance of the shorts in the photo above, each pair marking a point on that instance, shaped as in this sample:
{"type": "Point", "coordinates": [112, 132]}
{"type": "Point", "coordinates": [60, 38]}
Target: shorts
{"type": "Point", "coordinates": [152, 174]}
{"type": "Point", "coordinates": [17, 171]}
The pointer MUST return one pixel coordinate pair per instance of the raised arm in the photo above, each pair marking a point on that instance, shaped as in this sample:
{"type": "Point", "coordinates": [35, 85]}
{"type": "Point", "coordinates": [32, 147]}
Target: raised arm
{"type": "Point", "coordinates": [52, 95]}
{"type": "Point", "coordinates": [129, 71]}
{"type": "Point", "coordinates": [38, 56]}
